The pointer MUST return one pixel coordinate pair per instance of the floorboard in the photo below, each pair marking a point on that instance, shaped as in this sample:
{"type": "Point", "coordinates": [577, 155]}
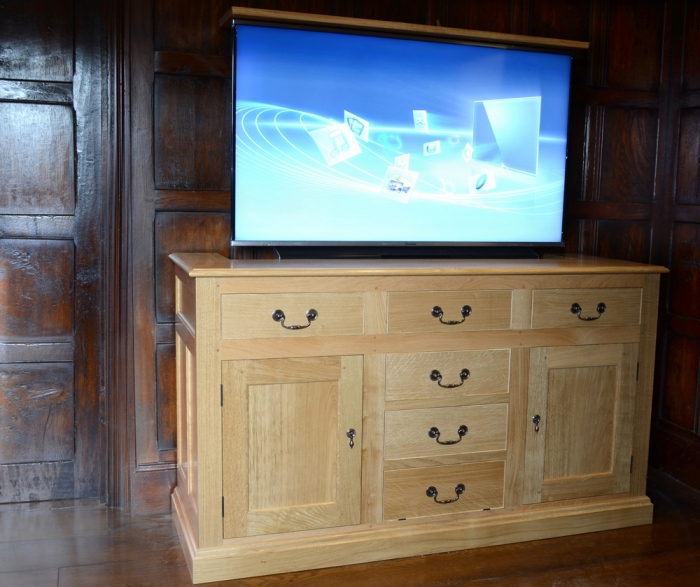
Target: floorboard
{"type": "Point", "coordinates": [87, 545]}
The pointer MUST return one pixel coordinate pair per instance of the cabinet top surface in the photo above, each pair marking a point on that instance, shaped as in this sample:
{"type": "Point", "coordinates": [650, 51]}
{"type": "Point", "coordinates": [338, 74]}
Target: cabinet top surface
{"type": "Point", "coordinates": [214, 265]}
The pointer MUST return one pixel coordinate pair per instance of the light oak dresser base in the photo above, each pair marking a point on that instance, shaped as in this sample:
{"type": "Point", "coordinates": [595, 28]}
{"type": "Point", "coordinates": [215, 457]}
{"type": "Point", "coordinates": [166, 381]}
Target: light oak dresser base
{"type": "Point", "coordinates": [314, 447]}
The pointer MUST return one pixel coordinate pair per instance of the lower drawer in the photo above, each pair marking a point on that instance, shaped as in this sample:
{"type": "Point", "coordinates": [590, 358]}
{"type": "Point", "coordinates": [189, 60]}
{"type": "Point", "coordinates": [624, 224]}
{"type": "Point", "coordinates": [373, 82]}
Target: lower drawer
{"type": "Point", "coordinates": [460, 488]}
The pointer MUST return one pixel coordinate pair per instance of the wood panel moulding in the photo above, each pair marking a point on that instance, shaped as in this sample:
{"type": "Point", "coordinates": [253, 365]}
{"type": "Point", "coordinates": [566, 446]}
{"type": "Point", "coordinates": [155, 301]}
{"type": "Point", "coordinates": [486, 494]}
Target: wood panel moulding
{"type": "Point", "coordinates": [635, 44]}
{"type": "Point", "coordinates": [621, 239]}
{"type": "Point", "coordinates": [48, 26]}
{"type": "Point", "coordinates": [176, 232]}
{"type": "Point", "coordinates": [688, 189]}
{"type": "Point", "coordinates": [36, 412]}
{"type": "Point", "coordinates": [691, 58]}
{"type": "Point", "coordinates": [192, 64]}
{"type": "Point", "coordinates": [192, 118]}
{"type": "Point", "coordinates": [193, 200]}
{"type": "Point", "coordinates": [43, 92]}
{"type": "Point", "coordinates": [36, 290]}
{"type": "Point", "coordinates": [36, 168]}
{"type": "Point", "coordinates": [685, 271]}
{"type": "Point", "coordinates": [629, 143]}
{"type": "Point", "coordinates": [680, 385]}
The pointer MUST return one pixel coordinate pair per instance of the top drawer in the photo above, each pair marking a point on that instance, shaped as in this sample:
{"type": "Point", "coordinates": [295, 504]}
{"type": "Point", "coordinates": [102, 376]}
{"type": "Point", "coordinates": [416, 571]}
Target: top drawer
{"type": "Point", "coordinates": [571, 308]}
{"type": "Point", "coordinates": [251, 315]}
{"type": "Point", "coordinates": [449, 311]}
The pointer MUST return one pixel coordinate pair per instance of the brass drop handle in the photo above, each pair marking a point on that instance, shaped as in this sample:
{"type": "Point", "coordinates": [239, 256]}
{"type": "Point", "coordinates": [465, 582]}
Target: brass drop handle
{"type": "Point", "coordinates": [435, 375]}
{"type": "Point", "coordinates": [536, 419]}
{"type": "Point", "coordinates": [432, 492]}
{"type": "Point", "coordinates": [278, 316]}
{"type": "Point", "coordinates": [351, 435]}
{"type": "Point", "coordinates": [435, 433]}
{"type": "Point", "coordinates": [576, 309]}
{"type": "Point", "coordinates": [436, 312]}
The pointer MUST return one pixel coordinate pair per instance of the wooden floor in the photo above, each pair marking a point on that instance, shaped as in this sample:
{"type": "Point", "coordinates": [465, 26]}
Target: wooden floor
{"type": "Point", "coordinates": [43, 545]}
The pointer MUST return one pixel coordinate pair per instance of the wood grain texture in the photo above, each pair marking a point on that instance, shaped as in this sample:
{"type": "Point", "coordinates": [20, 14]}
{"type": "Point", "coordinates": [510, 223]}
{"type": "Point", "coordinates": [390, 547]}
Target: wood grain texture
{"type": "Point", "coordinates": [411, 312]}
{"type": "Point", "coordinates": [408, 376]}
{"type": "Point", "coordinates": [37, 40]}
{"type": "Point", "coordinates": [404, 27]}
{"type": "Point", "coordinates": [250, 316]}
{"type": "Point", "coordinates": [685, 276]}
{"type": "Point", "coordinates": [620, 239]}
{"type": "Point", "coordinates": [176, 63]}
{"type": "Point", "coordinates": [517, 426]}
{"type": "Point", "coordinates": [179, 231]}
{"type": "Point", "coordinates": [36, 412]}
{"type": "Point", "coordinates": [691, 49]}
{"type": "Point", "coordinates": [567, 19]}
{"type": "Point", "coordinates": [688, 167]}
{"type": "Point", "coordinates": [295, 480]}
{"type": "Point", "coordinates": [629, 142]}
{"type": "Point", "coordinates": [37, 167]}
{"type": "Point", "coordinates": [194, 28]}
{"type": "Point", "coordinates": [36, 481]}
{"type": "Point", "coordinates": [468, 15]}
{"type": "Point", "coordinates": [167, 411]}
{"type": "Point", "coordinates": [405, 491]}
{"type": "Point", "coordinates": [192, 139]}
{"type": "Point", "coordinates": [552, 308]}
{"type": "Point", "coordinates": [36, 290]}
{"type": "Point", "coordinates": [423, 272]}
{"type": "Point", "coordinates": [406, 431]}
{"type": "Point", "coordinates": [43, 92]}
{"type": "Point", "coordinates": [635, 45]}
{"type": "Point", "coordinates": [373, 391]}
{"type": "Point", "coordinates": [193, 201]}
{"type": "Point", "coordinates": [680, 382]}
{"type": "Point", "coordinates": [35, 226]}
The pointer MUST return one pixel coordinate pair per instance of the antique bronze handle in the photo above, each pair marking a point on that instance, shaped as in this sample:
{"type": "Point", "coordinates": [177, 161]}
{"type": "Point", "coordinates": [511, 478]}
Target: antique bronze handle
{"type": "Point", "coordinates": [278, 316]}
{"type": "Point", "coordinates": [576, 309]}
{"type": "Point", "coordinates": [436, 312]}
{"type": "Point", "coordinates": [432, 492]}
{"type": "Point", "coordinates": [435, 375]}
{"type": "Point", "coordinates": [435, 433]}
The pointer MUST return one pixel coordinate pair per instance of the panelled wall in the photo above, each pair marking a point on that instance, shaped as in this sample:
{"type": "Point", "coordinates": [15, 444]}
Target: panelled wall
{"type": "Point", "coordinates": [50, 250]}
{"type": "Point", "coordinates": [633, 186]}
{"type": "Point", "coordinates": [115, 137]}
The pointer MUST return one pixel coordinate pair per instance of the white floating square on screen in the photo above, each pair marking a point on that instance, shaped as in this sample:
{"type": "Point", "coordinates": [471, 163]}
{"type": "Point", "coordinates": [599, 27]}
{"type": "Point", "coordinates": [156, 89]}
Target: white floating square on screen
{"type": "Point", "coordinates": [420, 120]}
{"type": "Point", "coordinates": [358, 126]}
{"type": "Point", "coordinates": [336, 143]}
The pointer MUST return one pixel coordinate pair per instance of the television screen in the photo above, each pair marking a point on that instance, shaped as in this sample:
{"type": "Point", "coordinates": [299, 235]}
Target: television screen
{"type": "Point", "coordinates": [356, 139]}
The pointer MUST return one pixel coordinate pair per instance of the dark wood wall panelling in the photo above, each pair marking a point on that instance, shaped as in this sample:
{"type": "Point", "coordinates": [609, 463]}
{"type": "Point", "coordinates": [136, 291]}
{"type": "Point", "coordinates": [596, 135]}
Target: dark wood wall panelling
{"type": "Point", "coordinates": [676, 445]}
{"type": "Point", "coordinates": [50, 231]}
{"type": "Point", "coordinates": [634, 128]}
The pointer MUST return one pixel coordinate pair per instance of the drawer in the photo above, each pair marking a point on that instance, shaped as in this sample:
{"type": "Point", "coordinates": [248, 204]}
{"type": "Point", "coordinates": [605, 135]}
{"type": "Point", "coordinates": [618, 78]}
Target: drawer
{"type": "Point", "coordinates": [405, 491]}
{"type": "Point", "coordinates": [411, 376]}
{"type": "Point", "coordinates": [465, 310]}
{"type": "Point", "coordinates": [552, 308]}
{"type": "Point", "coordinates": [469, 429]}
{"type": "Point", "coordinates": [251, 315]}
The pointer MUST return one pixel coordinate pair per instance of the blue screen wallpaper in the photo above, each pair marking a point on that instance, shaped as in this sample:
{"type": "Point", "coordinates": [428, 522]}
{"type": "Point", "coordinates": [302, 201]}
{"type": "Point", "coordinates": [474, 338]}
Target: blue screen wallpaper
{"type": "Point", "coordinates": [347, 138]}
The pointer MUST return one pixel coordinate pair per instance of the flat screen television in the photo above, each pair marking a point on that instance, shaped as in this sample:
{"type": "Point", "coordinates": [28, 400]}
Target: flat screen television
{"type": "Point", "coordinates": [347, 138]}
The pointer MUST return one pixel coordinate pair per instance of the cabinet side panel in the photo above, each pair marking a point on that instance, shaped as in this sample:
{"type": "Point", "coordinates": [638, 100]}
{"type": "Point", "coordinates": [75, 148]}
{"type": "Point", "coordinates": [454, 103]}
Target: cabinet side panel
{"type": "Point", "coordinates": [209, 470]}
{"type": "Point", "coordinates": [643, 395]}
{"type": "Point", "coordinates": [624, 418]}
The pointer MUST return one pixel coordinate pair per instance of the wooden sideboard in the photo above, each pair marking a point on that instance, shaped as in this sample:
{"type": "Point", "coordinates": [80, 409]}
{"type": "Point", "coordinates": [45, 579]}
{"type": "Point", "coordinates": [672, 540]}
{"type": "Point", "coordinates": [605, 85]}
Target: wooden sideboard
{"type": "Point", "coordinates": [337, 412]}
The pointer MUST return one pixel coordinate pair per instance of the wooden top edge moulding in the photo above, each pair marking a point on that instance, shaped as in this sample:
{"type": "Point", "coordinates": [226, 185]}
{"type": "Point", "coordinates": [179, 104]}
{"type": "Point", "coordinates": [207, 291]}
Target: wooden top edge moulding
{"type": "Point", "coordinates": [436, 32]}
{"type": "Point", "coordinates": [215, 265]}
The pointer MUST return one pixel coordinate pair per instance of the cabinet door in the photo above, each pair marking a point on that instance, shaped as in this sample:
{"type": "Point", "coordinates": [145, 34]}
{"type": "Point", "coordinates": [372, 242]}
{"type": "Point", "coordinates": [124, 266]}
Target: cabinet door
{"type": "Point", "coordinates": [583, 398]}
{"type": "Point", "coordinates": [288, 460]}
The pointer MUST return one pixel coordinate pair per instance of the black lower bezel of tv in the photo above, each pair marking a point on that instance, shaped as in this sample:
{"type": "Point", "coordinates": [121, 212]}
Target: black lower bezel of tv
{"type": "Point", "coordinates": [407, 251]}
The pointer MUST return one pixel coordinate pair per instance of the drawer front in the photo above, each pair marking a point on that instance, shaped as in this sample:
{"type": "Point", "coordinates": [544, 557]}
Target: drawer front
{"type": "Point", "coordinates": [411, 376]}
{"type": "Point", "coordinates": [250, 315]}
{"type": "Point", "coordinates": [405, 491]}
{"type": "Point", "coordinates": [552, 308]}
{"type": "Point", "coordinates": [469, 310]}
{"type": "Point", "coordinates": [423, 433]}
